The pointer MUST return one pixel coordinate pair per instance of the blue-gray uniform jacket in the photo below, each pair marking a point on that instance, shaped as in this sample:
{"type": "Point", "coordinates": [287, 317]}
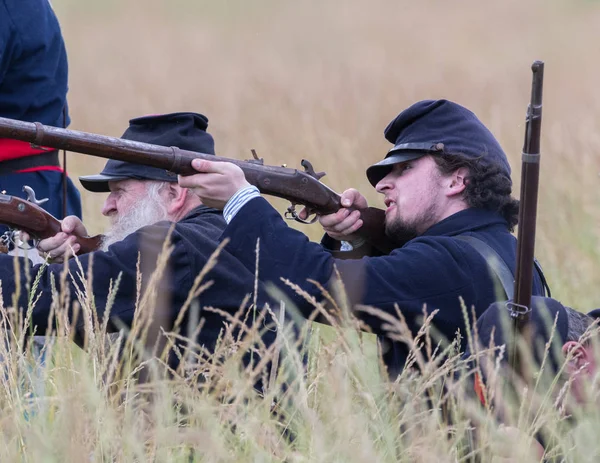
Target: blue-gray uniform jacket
{"type": "Point", "coordinates": [434, 269]}
{"type": "Point", "coordinates": [33, 88]}
{"type": "Point", "coordinates": [33, 63]}
{"type": "Point", "coordinates": [194, 239]}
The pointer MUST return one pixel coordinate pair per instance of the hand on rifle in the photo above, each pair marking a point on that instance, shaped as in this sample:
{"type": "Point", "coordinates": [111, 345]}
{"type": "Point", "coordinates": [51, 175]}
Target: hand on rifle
{"type": "Point", "coordinates": [342, 224]}
{"type": "Point", "coordinates": [64, 244]}
{"type": "Point", "coordinates": [215, 183]}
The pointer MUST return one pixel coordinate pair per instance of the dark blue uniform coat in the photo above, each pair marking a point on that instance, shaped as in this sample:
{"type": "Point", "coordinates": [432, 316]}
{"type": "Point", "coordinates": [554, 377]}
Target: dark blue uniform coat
{"type": "Point", "coordinates": [194, 239]}
{"type": "Point", "coordinates": [434, 269]}
{"type": "Point", "coordinates": [33, 88]}
{"type": "Point", "coordinates": [33, 63]}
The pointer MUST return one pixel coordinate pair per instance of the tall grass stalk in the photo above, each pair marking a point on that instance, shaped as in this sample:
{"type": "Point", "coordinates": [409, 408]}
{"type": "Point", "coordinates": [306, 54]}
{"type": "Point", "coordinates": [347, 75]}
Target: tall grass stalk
{"type": "Point", "coordinates": [321, 398]}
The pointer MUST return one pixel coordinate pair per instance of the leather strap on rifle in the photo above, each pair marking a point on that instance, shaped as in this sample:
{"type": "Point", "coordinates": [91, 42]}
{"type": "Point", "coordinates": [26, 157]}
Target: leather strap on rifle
{"type": "Point", "coordinates": [498, 267]}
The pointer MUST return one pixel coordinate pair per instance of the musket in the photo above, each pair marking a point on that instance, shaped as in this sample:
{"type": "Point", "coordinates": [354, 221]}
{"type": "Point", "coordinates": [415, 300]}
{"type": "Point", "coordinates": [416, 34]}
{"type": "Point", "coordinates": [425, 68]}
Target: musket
{"type": "Point", "coordinates": [26, 215]}
{"type": "Point", "coordinates": [520, 307]}
{"type": "Point", "coordinates": [298, 187]}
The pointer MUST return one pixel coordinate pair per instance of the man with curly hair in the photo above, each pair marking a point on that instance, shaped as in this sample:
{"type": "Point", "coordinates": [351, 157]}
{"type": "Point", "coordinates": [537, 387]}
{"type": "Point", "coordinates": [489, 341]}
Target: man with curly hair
{"type": "Point", "coordinates": [447, 189]}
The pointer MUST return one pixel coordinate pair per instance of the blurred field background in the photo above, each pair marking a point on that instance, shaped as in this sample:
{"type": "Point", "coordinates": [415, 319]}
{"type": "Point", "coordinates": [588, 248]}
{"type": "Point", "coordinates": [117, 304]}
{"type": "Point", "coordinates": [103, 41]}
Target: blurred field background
{"type": "Point", "coordinates": [317, 80]}
{"type": "Point", "coordinates": [321, 79]}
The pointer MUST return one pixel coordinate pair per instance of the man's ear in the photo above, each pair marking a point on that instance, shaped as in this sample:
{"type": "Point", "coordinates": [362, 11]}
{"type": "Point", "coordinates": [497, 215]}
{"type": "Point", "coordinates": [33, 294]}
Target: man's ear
{"type": "Point", "coordinates": [177, 196]}
{"type": "Point", "coordinates": [579, 357]}
{"type": "Point", "coordinates": [457, 182]}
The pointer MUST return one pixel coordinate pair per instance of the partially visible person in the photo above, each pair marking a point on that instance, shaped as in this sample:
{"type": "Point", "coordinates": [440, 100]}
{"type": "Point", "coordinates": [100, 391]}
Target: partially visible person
{"type": "Point", "coordinates": [551, 324]}
{"type": "Point", "coordinates": [558, 347]}
{"type": "Point", "coordinates": [446, 185]}
{"type": "Point", "coordinates": [145, 206]}
{"type": "Point", "coordinates": [33, 88]}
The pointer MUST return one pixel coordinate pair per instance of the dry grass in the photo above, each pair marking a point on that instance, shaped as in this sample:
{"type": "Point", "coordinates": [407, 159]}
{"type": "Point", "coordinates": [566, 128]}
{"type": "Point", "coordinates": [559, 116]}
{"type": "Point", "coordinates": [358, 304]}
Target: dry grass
{"type": "Point", "coordinates": [92, 406]}
{"type": "Point", "coordinates": [317, 80]}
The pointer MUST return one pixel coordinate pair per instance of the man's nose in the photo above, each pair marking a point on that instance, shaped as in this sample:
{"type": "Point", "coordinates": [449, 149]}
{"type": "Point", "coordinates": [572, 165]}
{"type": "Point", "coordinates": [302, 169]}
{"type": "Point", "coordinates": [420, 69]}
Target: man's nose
{"type": "Point", "coordinates": [383, 184]}
{"type": "Point", "coordinates": [110, 206]}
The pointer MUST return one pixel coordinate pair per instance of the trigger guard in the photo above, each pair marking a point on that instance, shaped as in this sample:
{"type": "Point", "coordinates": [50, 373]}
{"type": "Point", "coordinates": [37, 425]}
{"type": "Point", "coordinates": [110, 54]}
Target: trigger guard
{"type": "Point", "coordinates": [307, 222]}
{"type": "Point", "coordinates": [291, 214]}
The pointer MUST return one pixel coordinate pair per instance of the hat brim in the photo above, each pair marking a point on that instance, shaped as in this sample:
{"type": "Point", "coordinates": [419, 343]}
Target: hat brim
{"type": "Point", "coordinates": [99, 183]}
{"type": "Point", "coordinates": [594, 313]}
{"type": "Point", "coordinates": [378, 171]}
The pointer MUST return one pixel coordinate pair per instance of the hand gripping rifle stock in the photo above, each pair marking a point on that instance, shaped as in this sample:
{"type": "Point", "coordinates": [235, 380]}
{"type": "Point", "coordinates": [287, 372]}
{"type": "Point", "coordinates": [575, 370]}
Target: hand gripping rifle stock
{"type": "Point", "coordinates": [24, 215]}
{"type": "Point", "coordinates": [298, 187]}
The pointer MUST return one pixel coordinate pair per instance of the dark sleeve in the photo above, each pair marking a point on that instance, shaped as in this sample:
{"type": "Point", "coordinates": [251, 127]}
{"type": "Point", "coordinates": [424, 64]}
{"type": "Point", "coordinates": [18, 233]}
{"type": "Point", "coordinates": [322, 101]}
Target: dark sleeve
{"type": "Point", "coordinates": [35, 78]}
{"type": "Point", "coordinates": [6, 47]}
{"type": "Point", "coordinates": [100, 270]}
{"type": "Point", "coordinates": [284, 253]}
{"type": "Point", "coordinates": [422, 270]}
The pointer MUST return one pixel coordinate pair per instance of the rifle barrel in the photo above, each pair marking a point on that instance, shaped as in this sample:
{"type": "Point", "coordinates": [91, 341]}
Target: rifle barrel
{"type": "Point", "coordinates": [530, 169]}
{"type": "Point", "coordinates": [277, 181]}
{"type": "Point", "coordinates": [296, 186]}
{"type": "Point", "coordinates": [102, 146]}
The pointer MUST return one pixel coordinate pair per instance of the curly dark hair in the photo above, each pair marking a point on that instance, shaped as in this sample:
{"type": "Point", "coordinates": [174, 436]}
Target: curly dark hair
{"type": "Point", "coordinates": [487, 186]}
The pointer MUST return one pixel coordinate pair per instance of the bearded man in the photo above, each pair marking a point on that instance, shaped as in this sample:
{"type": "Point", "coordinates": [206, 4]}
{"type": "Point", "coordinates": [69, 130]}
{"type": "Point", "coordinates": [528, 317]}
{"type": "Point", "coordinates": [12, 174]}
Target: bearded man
{"type": "Point", "coordinates": [447, 189]}
{"type": "Point", "coordinates": [146, 207]}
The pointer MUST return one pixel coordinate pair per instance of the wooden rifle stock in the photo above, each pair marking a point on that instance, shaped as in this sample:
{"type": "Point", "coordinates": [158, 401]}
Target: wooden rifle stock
{"type": "Point", "coordinates": [39, 224]}
{"type": "Point", "coordinates": [296, 186]}
{"type": "Point", "coordinates": [520, 308]}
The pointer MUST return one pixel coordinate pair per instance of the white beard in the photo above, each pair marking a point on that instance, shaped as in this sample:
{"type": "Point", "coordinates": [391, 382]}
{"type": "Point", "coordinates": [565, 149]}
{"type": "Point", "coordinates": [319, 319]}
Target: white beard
{"type": "Point", "coordinates": [147, 211]}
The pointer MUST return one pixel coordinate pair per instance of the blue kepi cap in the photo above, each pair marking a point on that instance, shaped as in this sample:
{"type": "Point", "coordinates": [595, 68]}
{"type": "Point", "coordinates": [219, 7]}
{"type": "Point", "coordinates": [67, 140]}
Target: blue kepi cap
{"type": "Point", "coordinates": [438, 127]}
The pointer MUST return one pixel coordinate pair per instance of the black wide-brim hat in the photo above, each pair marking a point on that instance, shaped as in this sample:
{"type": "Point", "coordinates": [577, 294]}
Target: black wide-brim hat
{"type": "Point", "coordinates": [184, 130]}
{"type": "Point", "coordinates": [438, 127]}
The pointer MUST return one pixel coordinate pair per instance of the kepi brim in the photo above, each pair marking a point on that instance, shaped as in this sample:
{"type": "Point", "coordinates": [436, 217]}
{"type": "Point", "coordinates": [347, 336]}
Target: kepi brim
{"type": "Point", "coordinates": [378, 171]}
{"type": "Point", "coordinates": [99, 183]}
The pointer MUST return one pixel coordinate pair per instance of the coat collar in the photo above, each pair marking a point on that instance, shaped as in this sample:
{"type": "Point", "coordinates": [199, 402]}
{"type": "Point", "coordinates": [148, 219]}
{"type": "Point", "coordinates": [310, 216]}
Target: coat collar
{"type": "Point", "coordinates": [202, 209]}
{"type": "Point", "coordinates": [465, 221]}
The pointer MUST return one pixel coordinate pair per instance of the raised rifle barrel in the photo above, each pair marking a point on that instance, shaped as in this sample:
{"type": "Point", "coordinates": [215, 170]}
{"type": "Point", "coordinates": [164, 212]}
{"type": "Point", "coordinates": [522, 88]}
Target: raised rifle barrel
{"type": "Point", "coordinates": [529, 192]}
